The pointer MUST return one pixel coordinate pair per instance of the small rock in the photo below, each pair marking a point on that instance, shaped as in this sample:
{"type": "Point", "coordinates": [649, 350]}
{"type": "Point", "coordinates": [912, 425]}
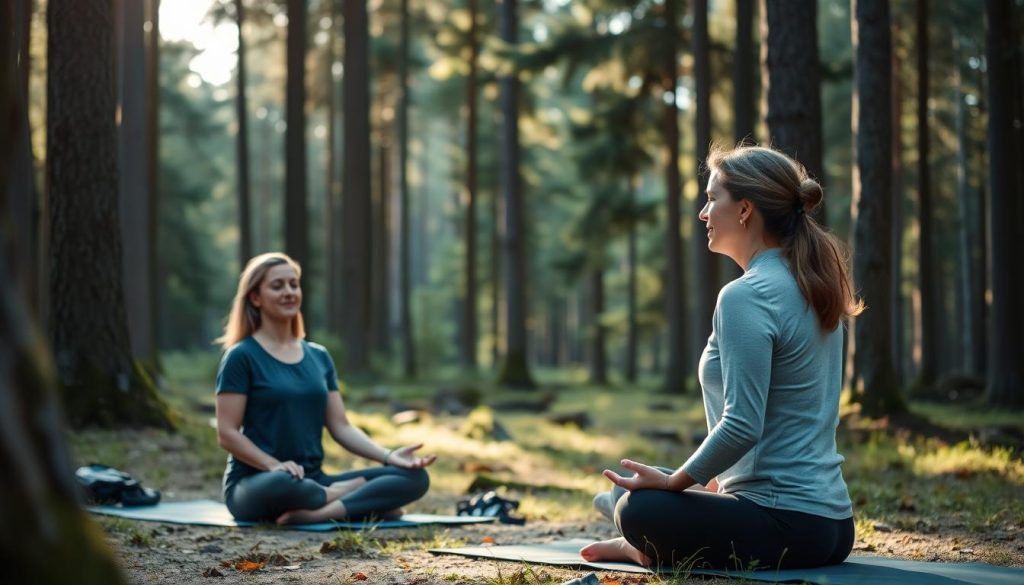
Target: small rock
{"type": "Point", "coordinates": [882, 527]}
{"type": "Point", "coordinates": [211, 548]}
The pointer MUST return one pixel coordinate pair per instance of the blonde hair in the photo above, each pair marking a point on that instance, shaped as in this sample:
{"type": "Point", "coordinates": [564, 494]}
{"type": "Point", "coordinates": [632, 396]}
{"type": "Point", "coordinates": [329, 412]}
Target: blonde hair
{"type": "Point", "coordinates": [244, 318]}
{"type": "Point", "coordinates": [781, 190]}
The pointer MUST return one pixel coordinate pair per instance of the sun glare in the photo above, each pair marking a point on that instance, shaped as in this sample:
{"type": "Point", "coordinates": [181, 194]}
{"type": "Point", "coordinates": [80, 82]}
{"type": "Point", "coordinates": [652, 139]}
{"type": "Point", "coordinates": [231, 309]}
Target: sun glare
{"type": "Point", "coordinates": [186, 21]}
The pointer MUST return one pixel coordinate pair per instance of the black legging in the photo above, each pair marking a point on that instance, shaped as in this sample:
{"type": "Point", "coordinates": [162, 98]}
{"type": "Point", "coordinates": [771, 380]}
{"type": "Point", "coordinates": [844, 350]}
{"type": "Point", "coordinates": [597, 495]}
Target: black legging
{"type": "Point", "coordinates": [265, 496]}
{"type": "Point", "coordinates": [720, 531]}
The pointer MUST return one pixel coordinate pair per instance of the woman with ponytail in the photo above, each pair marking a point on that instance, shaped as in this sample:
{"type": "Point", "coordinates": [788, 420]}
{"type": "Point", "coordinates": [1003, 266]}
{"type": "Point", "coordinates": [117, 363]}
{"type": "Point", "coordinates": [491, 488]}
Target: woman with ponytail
{"type": "Point", "coordinates": [765, 489]}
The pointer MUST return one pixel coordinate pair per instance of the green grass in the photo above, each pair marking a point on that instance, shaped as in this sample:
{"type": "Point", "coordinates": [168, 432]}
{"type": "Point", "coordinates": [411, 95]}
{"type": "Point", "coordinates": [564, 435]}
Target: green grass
{"type": "Point", "coordinates": [905, 482]}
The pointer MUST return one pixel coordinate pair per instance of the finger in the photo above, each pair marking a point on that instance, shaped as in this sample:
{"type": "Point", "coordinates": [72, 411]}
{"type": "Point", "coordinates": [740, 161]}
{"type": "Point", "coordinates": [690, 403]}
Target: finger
{"type": "Point", "coordinates": [616, 478]}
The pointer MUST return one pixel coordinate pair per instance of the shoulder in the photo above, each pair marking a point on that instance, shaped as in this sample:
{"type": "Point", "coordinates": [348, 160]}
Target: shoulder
{"type": "Point", "coordinates": [319, 352]}
{"type": "Point", "coordinates": [746, 302]}
{"type": "Point", "coordinates": [243, 350]}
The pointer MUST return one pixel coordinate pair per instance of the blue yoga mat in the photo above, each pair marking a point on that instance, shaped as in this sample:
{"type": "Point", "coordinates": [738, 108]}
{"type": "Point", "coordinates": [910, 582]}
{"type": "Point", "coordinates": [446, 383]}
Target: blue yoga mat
{"type": "Point", "coordinates": [211, 513]}
{"type": "Point", "coordinates": [857, 570]}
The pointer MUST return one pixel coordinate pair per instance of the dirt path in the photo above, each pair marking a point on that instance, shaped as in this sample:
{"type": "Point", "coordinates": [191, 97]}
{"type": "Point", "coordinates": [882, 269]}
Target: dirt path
{"type": "Point", "coordinates": [163, 553]}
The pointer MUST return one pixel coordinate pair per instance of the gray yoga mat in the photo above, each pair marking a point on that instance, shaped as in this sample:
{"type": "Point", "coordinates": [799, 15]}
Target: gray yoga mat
{"type": "Point", "coordinates": [857, 570]}
{"type": "Point", "coordinates": [211, 513]}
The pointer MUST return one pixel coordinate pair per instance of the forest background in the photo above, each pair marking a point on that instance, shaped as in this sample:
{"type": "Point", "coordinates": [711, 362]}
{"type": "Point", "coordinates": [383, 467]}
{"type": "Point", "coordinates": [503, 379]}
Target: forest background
{"type": "Point", "coordinates": [496, 195]}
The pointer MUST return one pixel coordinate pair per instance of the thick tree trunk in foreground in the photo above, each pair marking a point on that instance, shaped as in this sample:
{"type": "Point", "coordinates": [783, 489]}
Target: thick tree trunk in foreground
{"type": "Point", "coordinates": [706, 265]}
{"type": "Point", "coordinates": [873, 378]}
{"type": "Point", "coordinates": [242, 145]}
{"type": "Point", "coordinates": [101, 382]}
{"type": "Point", "coordinates": [296, 220]}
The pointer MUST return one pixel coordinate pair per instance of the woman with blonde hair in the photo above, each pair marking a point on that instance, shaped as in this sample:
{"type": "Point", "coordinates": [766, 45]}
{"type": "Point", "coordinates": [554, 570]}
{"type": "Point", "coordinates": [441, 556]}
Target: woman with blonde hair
{"type": "Point", "coordinates": [275, 394]}
{"type": "Point", "coordinates": [765, 488]}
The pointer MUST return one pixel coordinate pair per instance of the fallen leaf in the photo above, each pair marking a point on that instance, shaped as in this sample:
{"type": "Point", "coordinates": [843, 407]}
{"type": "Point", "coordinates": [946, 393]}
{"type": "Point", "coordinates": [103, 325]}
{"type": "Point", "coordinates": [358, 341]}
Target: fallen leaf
{"type": "Point", "coordinates": [488, 540]}
{"type": "Point", "coordinates": [359, 576]}
{"type": "Point", "coordinates": [249, 566]}
{"type": "Point", "coordinates": [329, 546]}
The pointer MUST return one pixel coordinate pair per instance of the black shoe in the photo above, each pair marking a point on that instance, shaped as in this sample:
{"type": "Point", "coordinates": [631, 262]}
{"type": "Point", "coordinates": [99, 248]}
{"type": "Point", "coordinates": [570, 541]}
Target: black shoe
{"type": "Point", "coordinates": [106, 485]}
{"type": "Point", "coordinates": [490, 505]}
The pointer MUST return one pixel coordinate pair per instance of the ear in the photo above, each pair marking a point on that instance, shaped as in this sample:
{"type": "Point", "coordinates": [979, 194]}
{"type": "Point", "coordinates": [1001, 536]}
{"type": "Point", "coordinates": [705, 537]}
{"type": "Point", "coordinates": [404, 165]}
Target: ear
{"type": "Point", "coordinates": [254, 298]}
{"type": "Point", "coordinates": [746, 209]}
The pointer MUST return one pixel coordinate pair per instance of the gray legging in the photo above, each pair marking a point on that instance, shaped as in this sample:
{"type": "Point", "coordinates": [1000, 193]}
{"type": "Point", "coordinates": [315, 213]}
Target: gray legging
{"type": "Point", "coordinates": [722, 531]}
{"type": "Point", "coordinates": [266, 495]}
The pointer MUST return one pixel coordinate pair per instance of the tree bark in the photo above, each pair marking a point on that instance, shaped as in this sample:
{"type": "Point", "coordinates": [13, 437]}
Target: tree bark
{"type": "Point", "coordinates": [381, 341]}
{"type": "Point", "coordinates": [332, 213]}
{"type": "Point", "coordinates": [21, 241]}
{"type": "Point", "coordinates": [675, 288]}
{"type": "Point", "coordinates": [242, 145]}
{"type": "Point", "coordinates": [931, 318]}
{"type": "Point", "coordinates": [873, 378]}
{"type": "Point", "coordinates": [791, 81]}
{"type": "Point", "coordinates": [744, 104]}
{"type": "Point", "coordinates": [408, 342]}
{"type": "Point", "coordinates": [134, 200]}
{"type": "Point", "coordinates": [631, 265]}
{"type": "Point", "coordinates": [705, 263]}
{"type": "Point", "coordinates": [356, 212]}
{"type": "Point", "coordinates": [598, 356]}
{"type": "Point", "coordinates": [469, 304]}
{"type": "Point", "coordinates": [296, 221]}
{"type": "Point", "coordinates": [515, 371]}
{"type": "Point", "coordinates": [965, 210]}
{"type": "Point", "coordinates": [153, 164]}
{"type": "Point", "coordinates": [101, 382]}
{"type": "Point", "coordinates": [896, 112]}
{"type": "Point", "coordinates": [1006, 361]}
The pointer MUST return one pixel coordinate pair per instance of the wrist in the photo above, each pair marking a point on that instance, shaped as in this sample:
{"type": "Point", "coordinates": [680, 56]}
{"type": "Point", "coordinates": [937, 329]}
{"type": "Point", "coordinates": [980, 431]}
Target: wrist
{"type": "Point", "coordinates": [387, 455]}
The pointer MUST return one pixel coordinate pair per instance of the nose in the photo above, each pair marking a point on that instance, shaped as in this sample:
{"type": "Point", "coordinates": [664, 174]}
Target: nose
{"type": "Point", "coordinates": [703, 215]}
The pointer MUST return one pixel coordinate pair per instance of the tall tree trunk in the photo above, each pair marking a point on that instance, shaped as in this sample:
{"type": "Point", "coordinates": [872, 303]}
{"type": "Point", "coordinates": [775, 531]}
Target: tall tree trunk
{"type": "Point", "coordinates": [408, 347]}
{"type": "Point", "coordinates": [356, 212]}
{"type": "Point", "coordinates": [381, 253]}
{"type": "Point", "coordinates": [896, 111]}
{"type": "Point", "coordinates": [744, 105]}
{"type": "Point", "coordinates": [631, 264]}
{"type": "Point", "coordinates": [791, 79]}
{"type": "Point", "coordinates": [705, 264]}
{"type": "Point", "coordinates": [980, 251]}
{"type": "Point", "coordinates": [469, 305]}
{"type": "Point", "coordinates": [296, 221]}
{"type": "Point", "coordinates": [874, 377]}
{"type": "Point", "coordinates": [155, 274]}
{"type": "Point", "coordinates": [675, 288]}
{"type": "Point", "coordinates": [495, 262]}
{"type": "Point", "coordinates": [516, 370]}
{"type": "Point", "coordinates": [968, 271]}
{"type": "Point", "coordinates": [598, 356]}
{"type": "Point", "coordinates": [242, 145]}
{"type": "Point", "coordinates": [21, 196]}
{"type": "Point", "coordinates": [931, 303]}
{"type": "Point", "coordinates": [101, 382]}
{"type": "Point", "coordinates": [134, 200]}
{"type": "Point", "coordinates": [332, 211]}
{"type": "Point", "coordinates": [1006, 340]}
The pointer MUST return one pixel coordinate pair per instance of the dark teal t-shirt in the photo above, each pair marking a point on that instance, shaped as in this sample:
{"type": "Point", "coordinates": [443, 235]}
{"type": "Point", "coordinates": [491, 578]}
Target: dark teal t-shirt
{"type": "Point", "coordinates": [286, 403]}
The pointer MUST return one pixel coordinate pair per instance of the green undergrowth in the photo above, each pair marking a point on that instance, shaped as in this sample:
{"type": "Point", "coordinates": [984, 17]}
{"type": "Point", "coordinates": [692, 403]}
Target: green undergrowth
{"type": "Point", "coordinates": [897, 480]}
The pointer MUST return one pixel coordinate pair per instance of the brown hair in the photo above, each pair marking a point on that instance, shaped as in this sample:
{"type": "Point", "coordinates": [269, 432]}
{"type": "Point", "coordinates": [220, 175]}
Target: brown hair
{"type": "Point", "coordinates": [244, 318]}
{"type": "Point", "coordinates": [781, 190]}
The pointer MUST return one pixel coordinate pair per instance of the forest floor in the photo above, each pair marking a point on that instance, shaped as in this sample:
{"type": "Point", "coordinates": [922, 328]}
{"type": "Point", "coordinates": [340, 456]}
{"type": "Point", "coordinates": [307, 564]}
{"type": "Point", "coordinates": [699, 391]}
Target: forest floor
{"type": "Point", "coordinates": [931, 488]}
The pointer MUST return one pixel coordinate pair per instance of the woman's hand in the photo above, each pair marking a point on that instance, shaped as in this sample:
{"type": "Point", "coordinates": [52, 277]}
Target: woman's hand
{"type": "Point", "coordinates": [291, 467]}
{"type": "Point", "coordinates": [644, 477]}
{"type": "Point", "coordinates": [405, 457]}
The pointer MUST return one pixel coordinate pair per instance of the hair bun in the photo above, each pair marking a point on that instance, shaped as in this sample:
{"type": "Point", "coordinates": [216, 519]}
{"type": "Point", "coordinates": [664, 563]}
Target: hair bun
{"type": "Point", "coordinates": [810, 194]}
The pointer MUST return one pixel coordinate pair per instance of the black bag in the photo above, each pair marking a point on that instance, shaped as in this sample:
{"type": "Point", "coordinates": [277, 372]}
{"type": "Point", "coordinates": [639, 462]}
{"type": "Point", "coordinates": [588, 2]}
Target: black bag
{"type": "Point", "coordinates": [106, 485]}
{"type": "Point", "coordinates": [490, 504]}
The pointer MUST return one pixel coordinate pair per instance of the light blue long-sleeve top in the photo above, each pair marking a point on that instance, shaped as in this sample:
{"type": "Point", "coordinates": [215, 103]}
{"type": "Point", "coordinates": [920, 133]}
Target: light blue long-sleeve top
{"type": "Point", "coordinates": [771, 379]}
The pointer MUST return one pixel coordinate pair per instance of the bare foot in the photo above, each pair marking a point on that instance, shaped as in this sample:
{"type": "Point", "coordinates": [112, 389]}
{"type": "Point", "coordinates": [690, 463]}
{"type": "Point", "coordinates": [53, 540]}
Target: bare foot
{"type": "Point", "coordinates": [616, 549]}
{"type": "Point", "coordinates": [341, 488]}
{"type": "Point", "coordinates": [395, 514]}
{"type": "Point", "coordinates": [334, 510]}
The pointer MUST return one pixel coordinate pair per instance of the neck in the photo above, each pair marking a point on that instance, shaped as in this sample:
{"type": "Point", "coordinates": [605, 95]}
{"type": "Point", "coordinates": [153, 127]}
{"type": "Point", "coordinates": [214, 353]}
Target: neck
{"type": "Point", "coordinates": [279, 332]}
{"type": "Point", "coordinates": [753, 248]}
